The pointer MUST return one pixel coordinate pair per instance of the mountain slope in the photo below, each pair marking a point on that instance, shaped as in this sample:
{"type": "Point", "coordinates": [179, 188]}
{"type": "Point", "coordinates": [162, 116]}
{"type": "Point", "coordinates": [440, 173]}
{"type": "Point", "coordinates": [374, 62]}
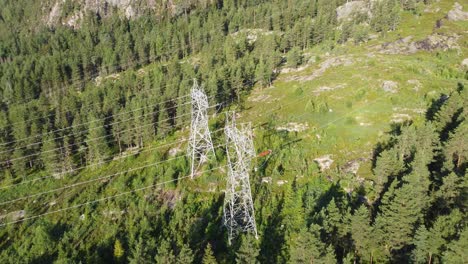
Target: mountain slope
{"type": "Point", "coordinates": [346, 106]}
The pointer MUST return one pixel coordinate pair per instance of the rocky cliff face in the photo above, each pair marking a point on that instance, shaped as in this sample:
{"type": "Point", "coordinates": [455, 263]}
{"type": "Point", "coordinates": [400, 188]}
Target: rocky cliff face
{"type": "Point", "coordinates": [71, 12]}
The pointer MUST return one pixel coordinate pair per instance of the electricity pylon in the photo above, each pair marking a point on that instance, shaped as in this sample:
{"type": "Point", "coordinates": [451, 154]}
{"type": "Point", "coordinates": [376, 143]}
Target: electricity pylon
{"type": "Point", "coordinates": [200, 143]}
{"type": "Point", "coordinates": [239, 215]}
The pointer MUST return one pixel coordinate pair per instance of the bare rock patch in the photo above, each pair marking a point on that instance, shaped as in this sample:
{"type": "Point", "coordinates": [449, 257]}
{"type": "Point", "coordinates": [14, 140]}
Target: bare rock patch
{"type": "Point", "coordinates": [266, 180]}
{"type": "Point", "coordinates": [281, 182]}
{"type": "Point", "coordinates": [416, 84]}
{"type": "Point", "coordinates": [400, 118]}
{"type": "Point", "coordinates": [457, 13]}
{"type": "Point", "coordinates": [431, 43]}
{"type": "Point", "coordinates": [324, 162]}
{"type": "Point", "coordinates": [345, 11]}
{"type": "Point", "coordinates": [323, 67]}
{"type": "Point", "coordinates": [294, 127]}
{"type": "Point", "coordinates": [390, 86]}
{"type": "Point", "coordinates": [464, 63]}
{"type": "Point", "coordinates": [328, 88]}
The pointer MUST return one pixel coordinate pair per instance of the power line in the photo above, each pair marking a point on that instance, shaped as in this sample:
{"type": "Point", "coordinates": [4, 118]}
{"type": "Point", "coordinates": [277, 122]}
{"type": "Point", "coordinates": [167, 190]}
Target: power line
{"type": "Point", "coordinates": [110, 197]}
{"type": "Point", "coordinates": [98, 163]}
{"type": "Point", "coordinates": [93, 121]}
{"type": "Point", "coordinates": [87, 181]}
{"type": "Point", "coordinates": [86, 106]}
{"type": "Point", "coordinates": [97, 138]}
{"type": "Point", "coordinates": [94, 75]}
{"type": "Point", "coordinates": [91, 180]}
{"type": "Point", "coordinates": [89, 106]}
{"type": "Point", "coordinates": [104, 198]}
{"type": "Point", "coordinates": [91, 165]}
{"type": "Point", "coordinates": [82, 132]}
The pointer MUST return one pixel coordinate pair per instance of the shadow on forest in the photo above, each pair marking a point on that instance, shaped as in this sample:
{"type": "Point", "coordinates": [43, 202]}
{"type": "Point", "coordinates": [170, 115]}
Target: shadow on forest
{"type": "Point", "coordinates": [207, 229]}
{"type": "Point", "coordinates": [395, 131]}
{"type": "Point", "coordinates": [273, 237]}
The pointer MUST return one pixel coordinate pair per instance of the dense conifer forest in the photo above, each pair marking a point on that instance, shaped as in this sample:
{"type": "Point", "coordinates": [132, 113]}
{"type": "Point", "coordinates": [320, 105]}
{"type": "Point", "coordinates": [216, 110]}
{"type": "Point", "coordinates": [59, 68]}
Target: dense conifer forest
{"type": "Point", "coordinates": [94, 119]}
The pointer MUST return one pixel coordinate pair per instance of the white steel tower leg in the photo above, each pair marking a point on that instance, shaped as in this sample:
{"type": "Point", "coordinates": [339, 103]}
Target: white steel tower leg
{"type": "Point", "coordinates": [200, 143]}
{"type": "Point", "coordinates": [239, 215]}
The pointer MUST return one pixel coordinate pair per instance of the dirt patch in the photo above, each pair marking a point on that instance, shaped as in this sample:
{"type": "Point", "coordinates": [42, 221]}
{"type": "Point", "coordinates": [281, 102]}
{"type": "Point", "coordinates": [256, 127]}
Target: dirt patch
{"type": "Point", "coordinates": [351, 167]}
{"type": "Point", "coordinates": [431, 9]}
{"type": "Point", "coordinates": [169, 197]}
{"type": "Point", "coordinates": [54, 14]}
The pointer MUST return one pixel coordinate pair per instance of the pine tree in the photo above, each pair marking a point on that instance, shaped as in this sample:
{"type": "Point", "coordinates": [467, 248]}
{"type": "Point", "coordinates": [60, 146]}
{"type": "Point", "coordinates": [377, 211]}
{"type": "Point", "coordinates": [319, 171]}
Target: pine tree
{"type": "Point", "coordinates": [306, 247]}
{"type": "Point", "coordinates": [325, 21]}
{"type": "Point", "coordinates": [165, 253]}
{"type": "Point", "coordinates": [456, 252]}
{"type": "Point", "coordinates": [335, 224]}
{"type": "Point", "coordinates": [426, 247]}
{"type": "Point", "coordinates": [96, 141]}
{"type": "Point", "coordinates": [388, 166]}
{"type": "Point", "coordinates": [49, 154]}
{"type": "Point", "coordinates": [294, 57]}
{"type": "Point", "coordinates": [402, 209]}
{"type": "Point", "coordinates": [329, 257]}
{"type": "Point", "coordinates": [452, 192]}
{"type": "Point", "coordinates": [292, 213]}
{"type": "Point", "coordinates": [185, 255]}
{"type": "Point", "coordinates": [361, 232]}
{"type": "Point", "coordinates": [208, 257]}
{"type": "Point", "coordinates": [139, 253]}
{"type": "Point", "coordinates": [456, 149]}
{"type": "Point", "coordinates": [248, 250]}
{"type": "Point", "coordinates": [118, 250]}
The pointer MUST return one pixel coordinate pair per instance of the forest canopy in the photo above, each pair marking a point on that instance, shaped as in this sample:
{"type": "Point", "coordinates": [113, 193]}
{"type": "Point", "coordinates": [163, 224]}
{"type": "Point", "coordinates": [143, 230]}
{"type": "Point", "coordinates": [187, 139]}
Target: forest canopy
{"type": "Point", "coordinates": [107, 103]}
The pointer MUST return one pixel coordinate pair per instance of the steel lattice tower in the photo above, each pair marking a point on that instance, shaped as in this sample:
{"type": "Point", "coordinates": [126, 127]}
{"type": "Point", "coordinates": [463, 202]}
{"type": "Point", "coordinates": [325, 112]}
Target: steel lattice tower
{"type": "Point", "coordinates": [239, 213]}
{"type": "Point", "coordinates": [200, 143]}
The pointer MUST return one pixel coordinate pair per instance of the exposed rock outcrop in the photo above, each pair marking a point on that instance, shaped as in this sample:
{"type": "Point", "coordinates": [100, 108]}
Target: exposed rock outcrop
{"type": "Point", "coordinates": [457, 13]}
{"type": "Point", "coordinates": [294, 127]}
{"type": "Point", "coordinates": [390, 86]}
{"type": "Point", "coordinates": [431, 43]}
{"type": "Point", "coordinates": [323, 67]}
{"type": "Point", "coordinates": [464, 63]}
{"type": "Point", "coordinates": [130, 9]}
{"type": "Point", "coordinates": [346, 11]}
{"type": "Point", "coordinates": [324, 162]}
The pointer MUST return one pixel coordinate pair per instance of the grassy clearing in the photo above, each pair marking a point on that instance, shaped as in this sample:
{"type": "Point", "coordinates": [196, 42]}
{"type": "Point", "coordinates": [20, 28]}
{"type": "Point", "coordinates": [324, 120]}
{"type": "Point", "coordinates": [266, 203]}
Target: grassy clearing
{"type": "Point", "coordinates": [345, 108]}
